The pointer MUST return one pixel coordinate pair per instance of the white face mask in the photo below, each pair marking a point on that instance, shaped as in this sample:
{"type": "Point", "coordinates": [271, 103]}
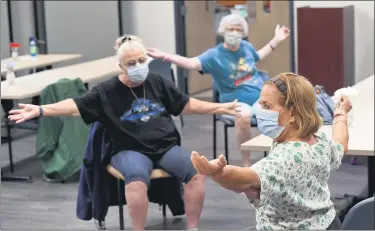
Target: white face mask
{"type": "Point", "coordinates": [138, 74]}
{"type": "Point", "coordinates": [233, 38]}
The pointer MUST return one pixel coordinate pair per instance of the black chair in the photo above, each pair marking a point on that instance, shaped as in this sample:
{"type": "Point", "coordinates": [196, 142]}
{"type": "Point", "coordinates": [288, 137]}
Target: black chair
{"type": "Point", "coordinates": [228, 123]}
{"type": "Point", "coordinates": [165, 70]}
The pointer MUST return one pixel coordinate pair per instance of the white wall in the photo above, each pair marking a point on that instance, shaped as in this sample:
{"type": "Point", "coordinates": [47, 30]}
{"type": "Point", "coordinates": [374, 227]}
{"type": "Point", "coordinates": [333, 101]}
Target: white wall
{"type": "Point", "coordinates": [364, 32]}
{"type": "Point", "coordinates": [153, 21]}
{"type": "Point", "coordinates": [4, 30]}
{"type": "Point", "coordinates": [89, 28]}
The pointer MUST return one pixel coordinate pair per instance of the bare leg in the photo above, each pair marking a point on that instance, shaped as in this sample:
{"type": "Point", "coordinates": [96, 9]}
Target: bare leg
{"type": "Point", "coordinates": [194, 197]}
{"type": "Point", "coordinates": [137, 201]}
{"type": "Point", "coordinates": [243, 126]}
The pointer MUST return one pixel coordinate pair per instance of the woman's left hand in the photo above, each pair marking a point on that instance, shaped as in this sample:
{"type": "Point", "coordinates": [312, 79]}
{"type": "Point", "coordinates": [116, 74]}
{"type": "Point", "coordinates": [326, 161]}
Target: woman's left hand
{"type": "Point", "coordinates": [281, 33]}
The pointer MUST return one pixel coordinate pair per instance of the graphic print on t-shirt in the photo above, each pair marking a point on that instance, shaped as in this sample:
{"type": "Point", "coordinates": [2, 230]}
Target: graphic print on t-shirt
{"type": "Point", "coordinates": [241, 72]}
{"type": "Point", "coordinates": [142, 110]}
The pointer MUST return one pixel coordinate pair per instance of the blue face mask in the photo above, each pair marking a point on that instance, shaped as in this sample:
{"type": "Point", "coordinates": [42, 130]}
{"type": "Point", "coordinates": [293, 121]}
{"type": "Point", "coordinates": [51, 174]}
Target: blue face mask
{"type": "Point", "coordinates": [267, 122]}
{"type": "Point", "coordinates": [137, 74]}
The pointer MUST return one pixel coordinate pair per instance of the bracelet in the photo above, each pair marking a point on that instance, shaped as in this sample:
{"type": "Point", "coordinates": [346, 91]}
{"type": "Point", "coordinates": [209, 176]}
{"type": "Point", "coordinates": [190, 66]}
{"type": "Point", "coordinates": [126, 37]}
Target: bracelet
{"type": "Point", "coordinates": [338, 121]}
{"type": "Point", "coordinates": [41, 111]}
{"type": "Point", "coordinates": [272, 47]}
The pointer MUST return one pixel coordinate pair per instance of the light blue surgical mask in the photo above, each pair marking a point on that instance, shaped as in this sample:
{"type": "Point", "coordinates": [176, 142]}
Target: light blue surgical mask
{"type": "Point", "coordinates": [137, 74]}
{"type": "Point", "coordinates": [233, 38]}
{"type": "Point", "coordinates": [267, 122]}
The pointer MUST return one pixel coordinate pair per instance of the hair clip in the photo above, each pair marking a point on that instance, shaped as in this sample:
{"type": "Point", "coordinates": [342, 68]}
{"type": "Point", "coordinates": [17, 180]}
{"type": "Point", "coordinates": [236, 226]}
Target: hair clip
{"type": "Point", "coordinates": [125, 39]}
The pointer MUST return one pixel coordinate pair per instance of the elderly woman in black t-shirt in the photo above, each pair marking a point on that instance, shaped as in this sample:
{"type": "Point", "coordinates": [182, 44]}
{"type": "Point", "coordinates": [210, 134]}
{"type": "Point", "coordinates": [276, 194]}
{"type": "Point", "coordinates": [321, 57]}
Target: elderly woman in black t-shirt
{"type": "Point", "coordinates": [136, 109]}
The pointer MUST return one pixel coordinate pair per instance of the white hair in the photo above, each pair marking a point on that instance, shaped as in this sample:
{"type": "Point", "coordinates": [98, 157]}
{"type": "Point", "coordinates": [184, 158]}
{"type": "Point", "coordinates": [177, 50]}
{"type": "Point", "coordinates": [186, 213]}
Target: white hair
{"type": "Point", "coordinates": [126, 43]}
{"type": "Point", "coordinates": [233, 19]}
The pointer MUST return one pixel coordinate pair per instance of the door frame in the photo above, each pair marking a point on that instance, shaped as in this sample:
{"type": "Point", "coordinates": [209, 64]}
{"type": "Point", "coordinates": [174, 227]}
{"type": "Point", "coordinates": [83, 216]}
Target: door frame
{"type": "Point", "coordinates": [180, 35]}
{"type": "Point", "coordinates": [10, 21]}
{"type": "Point", "coordinates": [40, 25]}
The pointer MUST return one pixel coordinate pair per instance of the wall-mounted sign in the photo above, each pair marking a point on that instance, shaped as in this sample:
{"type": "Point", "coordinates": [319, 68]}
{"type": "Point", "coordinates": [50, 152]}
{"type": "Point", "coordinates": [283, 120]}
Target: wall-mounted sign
{"type": "Point", "coordinates": [266, 6]}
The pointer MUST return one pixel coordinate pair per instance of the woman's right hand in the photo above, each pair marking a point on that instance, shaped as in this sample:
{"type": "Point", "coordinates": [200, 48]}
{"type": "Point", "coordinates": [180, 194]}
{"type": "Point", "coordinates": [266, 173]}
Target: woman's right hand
{"type": "Point", "coordinates": [26, 112]}
{"type": "Point", "coordinates": [344, 104]}
{"type": "Point", "coordinates": [156, 54]}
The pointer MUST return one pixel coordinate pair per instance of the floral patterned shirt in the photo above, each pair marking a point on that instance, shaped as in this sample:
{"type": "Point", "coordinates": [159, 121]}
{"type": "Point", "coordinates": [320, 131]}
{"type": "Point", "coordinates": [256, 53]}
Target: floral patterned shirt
{"type": "Point", "coordinates": [294, 190]}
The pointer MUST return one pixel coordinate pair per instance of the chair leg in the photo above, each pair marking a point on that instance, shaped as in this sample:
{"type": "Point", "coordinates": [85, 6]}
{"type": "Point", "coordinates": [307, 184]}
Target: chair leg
{"type": "Point", "coordinates": [121, 194]}
{"type": "Point", "coordinates": [226, 143]}
{"type": "Point", "coordinates": [214, 136]}
{"type": "Point", "coordinates": [265, 154]}
{"type": "Point", "coordinates": [164, 211]}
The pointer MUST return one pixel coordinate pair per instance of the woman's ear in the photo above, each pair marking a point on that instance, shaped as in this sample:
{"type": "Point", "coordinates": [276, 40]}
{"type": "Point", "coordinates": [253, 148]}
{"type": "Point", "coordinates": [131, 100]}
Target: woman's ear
{"type": "Point", "coordinates": [292, 118]}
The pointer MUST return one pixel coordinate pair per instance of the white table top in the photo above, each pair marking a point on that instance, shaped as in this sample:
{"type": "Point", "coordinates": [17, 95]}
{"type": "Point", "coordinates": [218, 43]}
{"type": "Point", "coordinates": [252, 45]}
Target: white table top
{"type": "Point", "coordinates": [31, 85]}
{"type": "Point", "coordinates": [25, 62]}
{"type": "Point", "coordinates": [361, 134]}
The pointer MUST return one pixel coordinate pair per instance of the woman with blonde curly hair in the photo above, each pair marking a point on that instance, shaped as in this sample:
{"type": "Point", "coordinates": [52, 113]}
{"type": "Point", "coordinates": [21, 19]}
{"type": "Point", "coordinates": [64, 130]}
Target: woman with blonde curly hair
{"type": "Point", "coordinates": [289, 188]}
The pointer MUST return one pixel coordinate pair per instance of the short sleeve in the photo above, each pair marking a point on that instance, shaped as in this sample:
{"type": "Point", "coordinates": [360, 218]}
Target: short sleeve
{"type": "Point", "coordinates": [253, 51]}
{"type": "Point", "coordinates": [173, 99]}
{"type": "Point", "coordinates": [207, 61]}
{"type": "Point", "coordinates": [272, 182]}
{"type": "Point", "coordinates": [90, 106]}
{"type": "Point", "coordinates": [337, 152]}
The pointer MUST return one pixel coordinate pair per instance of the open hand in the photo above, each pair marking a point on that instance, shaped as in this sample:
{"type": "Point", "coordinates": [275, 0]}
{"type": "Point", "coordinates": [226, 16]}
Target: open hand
{"type": "Point", "coordinates": [156, 53]}
{"type": "Point", "coordinates": [205, 167]}
{"type": "Point", "coordinates": [233, 108]}
{"type": "Point", "coordinates": [281, 33]}
{"type": "Point", "coordinates": [344, 104]}
{"type": "Point", "coordinates": [26, 112]}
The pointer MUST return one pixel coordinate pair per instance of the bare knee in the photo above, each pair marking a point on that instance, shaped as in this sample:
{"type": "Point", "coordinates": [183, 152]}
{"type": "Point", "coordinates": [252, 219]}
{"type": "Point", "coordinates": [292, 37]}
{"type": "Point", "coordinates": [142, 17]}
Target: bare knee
{"type": "Point", "coordinates": [244, 121]}
{"type": "Point", "coordinates": [136, 187]}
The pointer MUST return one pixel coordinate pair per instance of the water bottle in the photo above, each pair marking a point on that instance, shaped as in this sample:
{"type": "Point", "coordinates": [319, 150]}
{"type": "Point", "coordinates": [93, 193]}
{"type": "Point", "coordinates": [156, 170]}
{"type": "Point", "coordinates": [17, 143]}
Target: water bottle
{"type": "Point", "coordinates": [33, 47]}
{"type": "Point", "coordinates": [10, 76]}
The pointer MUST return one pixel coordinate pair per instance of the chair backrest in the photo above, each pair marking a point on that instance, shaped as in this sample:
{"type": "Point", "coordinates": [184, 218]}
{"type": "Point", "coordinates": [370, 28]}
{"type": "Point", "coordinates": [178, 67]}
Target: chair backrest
{"type": "Point", "coordinates": [360, 217]}
{"type": "Point", "coordinates": [164, 69]}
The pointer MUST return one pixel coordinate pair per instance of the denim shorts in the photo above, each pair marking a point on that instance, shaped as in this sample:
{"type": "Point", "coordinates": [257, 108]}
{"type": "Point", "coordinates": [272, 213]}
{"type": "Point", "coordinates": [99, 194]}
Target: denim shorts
{"type": "Point", "coordinates": [136, 166]}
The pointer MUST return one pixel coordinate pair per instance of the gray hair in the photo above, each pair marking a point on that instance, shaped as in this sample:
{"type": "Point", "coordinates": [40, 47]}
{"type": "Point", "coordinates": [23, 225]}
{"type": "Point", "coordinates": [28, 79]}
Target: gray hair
{"type": "Point", "coordinates": [233, 19]}
{"type": "Point", "coordinates": [126, 43]}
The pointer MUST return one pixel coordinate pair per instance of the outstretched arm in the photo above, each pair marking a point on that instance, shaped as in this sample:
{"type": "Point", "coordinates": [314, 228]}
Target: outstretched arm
{"type": "Point", "coordinates": [29, 111]}
{"type": "Point", "coordinates": [195, 106]}
{"type": "Point", "coordinates": [237, 178]}
{"type": "Point", "coordinates": [281, 33]}
{"type": "Point", "coordinates": [228, 176]}
{"type": "Point", "coordinates": [184, 62]}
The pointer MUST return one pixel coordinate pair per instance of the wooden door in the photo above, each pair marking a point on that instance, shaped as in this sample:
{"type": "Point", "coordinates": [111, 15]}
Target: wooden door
{"type": "Point", "coordinates": [200, 34]}
{"type": "Point", "coordinates": [263, 30]}
{"type": "Point", "coordinates": [320, 58]}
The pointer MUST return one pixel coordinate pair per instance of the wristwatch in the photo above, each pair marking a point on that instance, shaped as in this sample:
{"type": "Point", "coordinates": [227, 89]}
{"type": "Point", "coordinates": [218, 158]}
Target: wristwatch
{"type": "Point", "coordinates": [41, 112]}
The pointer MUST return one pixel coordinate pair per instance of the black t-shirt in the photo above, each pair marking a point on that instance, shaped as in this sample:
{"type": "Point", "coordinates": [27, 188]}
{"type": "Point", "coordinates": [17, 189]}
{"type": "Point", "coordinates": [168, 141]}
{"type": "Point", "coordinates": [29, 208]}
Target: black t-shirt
{"type": "Point", "coordinates": [133, 122]}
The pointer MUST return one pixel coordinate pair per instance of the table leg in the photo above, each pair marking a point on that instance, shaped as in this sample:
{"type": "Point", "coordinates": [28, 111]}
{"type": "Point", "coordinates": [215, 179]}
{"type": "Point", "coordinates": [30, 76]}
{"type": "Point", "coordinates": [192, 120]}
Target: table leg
{"type": "Point", "coordinates": [371, 176]}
